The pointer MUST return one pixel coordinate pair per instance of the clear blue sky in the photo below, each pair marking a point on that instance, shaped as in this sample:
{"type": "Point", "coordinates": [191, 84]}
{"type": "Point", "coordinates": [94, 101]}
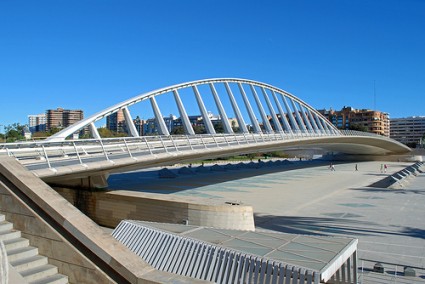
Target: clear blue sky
{"type": "Point", "coordinates": [92, 54]}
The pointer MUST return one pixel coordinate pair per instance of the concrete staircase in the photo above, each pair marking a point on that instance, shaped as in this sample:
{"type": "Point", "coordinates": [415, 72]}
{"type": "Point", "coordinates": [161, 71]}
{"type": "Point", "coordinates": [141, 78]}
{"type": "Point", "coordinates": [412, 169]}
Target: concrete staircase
{"type": "Point", "coordinates": [33, 267]}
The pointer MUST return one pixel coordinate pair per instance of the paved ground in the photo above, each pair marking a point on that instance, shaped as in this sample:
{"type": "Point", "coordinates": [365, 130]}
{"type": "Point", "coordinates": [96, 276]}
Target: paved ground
{"type": "Point", "coordinates": [308, 198]}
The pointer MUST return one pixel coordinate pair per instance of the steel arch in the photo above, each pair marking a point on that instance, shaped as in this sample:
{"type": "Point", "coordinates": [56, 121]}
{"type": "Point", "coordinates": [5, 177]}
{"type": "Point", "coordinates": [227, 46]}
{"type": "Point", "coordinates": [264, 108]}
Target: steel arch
{"type": "Point", "coordinates": [307, 119]}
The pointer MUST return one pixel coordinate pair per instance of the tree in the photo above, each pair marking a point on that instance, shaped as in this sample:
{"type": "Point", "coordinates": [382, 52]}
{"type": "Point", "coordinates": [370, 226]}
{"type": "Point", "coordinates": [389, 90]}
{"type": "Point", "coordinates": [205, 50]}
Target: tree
{"type": "Point", "coordinates": [40, 135]}
{"type": "Point", "coordinates": [105, 132]}
{"type": "Point", "coordinates": [13, 132]}
{"type": "Point", "coordinates": [199, 129]}
{"type": "Point", "coordinates": [54, 130]}
{"type": "Point", "coordinates": [119, 134]}
{"type": "Point", "coordinates": [411, 145]}
{"type": "Point", "coordinates": [234, 127]}
{"type": "Point", "coordinates": [218, 127]}
{"type": "Point", "coordinates": [178, 130]}
{"type": "Point", "coordinates": [358, 127]}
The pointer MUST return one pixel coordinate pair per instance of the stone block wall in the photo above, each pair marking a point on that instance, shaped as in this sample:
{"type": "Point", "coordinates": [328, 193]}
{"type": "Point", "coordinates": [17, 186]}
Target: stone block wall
{"type": "Point", "coordinates": [73, 242]}
{"type": "Point", "coordinates": [59, 251]}
{"type": "Point", "coordinates": [108, 208]}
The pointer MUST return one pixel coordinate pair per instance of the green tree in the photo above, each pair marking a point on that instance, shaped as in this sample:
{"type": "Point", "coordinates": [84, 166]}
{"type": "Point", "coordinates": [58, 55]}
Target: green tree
{"type": "Point", "coordinates": [358, 127]}
{"type": "Point", "coordinates": [40, 135]}
{"type": "Point", "coordinates": [54, 130]}
{"type": "Point", "coordinates": [119, 134]}
{"type": "Point", "coordinates": [105, 132]}
{"type": "Point", "coordinates": [234, 127]}
{"type": "Point", "coordinates": [13, 132]}
{"type": "Point", "coordinates": [199, 129]}
{"type": "Point", "coordinates": [218, 127]}
{"type": "Point", "coordinates": [178, 130]}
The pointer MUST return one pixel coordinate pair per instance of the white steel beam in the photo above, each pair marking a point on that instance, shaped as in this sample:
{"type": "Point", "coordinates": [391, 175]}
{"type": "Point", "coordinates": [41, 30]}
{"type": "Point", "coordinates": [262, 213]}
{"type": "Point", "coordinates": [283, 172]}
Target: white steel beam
{"type": "Point", "coordinates": [251, 114]}
{"type": "Point", "coordinates": [129, 122]}
{"type": "Point", "coordinates": [207, 122]}
{"type": "Point", "coordinates": [313, 121]}
{"type": "Point", "coordinates": [306, 120]}
{"type": "Point", "coordinates": [266, 122]}
{"type": "Point", "coordinates": [162, 128]}
{"type": "Point", "coordinates": [297, 115]}
{"type": "Point", "coordinates": [239, 117]}
{"type": "Point", "coordinates": [326, 126]}
{"type": "Point", "coordinates": [224, 119]}
{"type": "Point", "coordinates": [62, 135]}
{"type": "Point", "coordinates": [319, 123]}
{"type": "Point", "coordinates": [286, 124]}
{"type": "Point", "coordinates": [276, 122]}
{"type": "Point", "coordinates": [291, 116]}
{"type": "Point", "coordinates": [183, 115]}
{"type": "Point", "coordinates": [93, 131]}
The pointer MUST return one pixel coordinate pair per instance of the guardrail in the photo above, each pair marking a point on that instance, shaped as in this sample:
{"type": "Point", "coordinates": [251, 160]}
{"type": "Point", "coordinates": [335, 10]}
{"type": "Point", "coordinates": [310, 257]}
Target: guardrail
{"type": "Point", "coordinates": [81, 150]}
{"type": "Point", "coordinates": [86, 150]}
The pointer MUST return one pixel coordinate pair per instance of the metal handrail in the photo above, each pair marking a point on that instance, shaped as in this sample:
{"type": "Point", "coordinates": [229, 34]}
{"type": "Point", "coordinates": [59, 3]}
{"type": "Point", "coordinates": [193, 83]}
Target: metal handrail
{"type": "Point", "coordinates": [153, 144]}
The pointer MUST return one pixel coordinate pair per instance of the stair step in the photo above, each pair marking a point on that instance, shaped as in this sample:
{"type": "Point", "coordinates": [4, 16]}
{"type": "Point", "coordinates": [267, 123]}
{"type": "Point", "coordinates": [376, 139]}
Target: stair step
{"type": "Point", "coordinates": [54, 279]}
{"type": "Point", "coordinates": [5, 226]}
{"type": "Point", "coordinates": [33, 267]}
{"type": "Point", "coordinates": [21, 253]}
{"type": "Point", "coordinates": [39, 272]}
{"type": "Point", "coordinates": [16, 243]}
{"type": "Point", "coordinates": [10, 235]}
{"type": "Point", "coordinates": [29, 262]}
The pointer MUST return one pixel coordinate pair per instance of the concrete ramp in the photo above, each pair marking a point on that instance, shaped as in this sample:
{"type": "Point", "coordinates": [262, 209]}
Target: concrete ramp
{"type": "Point", "coordinates": [71, 241]}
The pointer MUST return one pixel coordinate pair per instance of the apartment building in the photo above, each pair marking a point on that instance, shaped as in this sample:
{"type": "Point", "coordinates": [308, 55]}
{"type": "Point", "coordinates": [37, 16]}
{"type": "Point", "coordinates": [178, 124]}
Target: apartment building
{"type": "Point", "coordinates": [62, 118]}
{"type": "Point", "coordinates": [37, 122]}
{"type": "Point", "coordinates": [408, 130]}
{"type": "Point", "coordinates": [373, 121]}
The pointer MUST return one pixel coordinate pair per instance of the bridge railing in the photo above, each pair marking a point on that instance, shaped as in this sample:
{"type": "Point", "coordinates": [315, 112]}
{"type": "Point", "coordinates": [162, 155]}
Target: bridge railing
{"type": "Point", "coordinates": [86, 150]}
{"type": "Point", "coordinates": [359, 133]}
{"type": "Point", "coordinates": [366, 134]}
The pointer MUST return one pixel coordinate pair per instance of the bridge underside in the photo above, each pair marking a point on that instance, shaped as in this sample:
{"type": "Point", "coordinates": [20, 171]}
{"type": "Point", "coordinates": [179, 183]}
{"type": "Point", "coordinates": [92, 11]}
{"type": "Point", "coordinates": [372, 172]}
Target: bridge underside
{"type": "Point", "coordinates": [95, 175]}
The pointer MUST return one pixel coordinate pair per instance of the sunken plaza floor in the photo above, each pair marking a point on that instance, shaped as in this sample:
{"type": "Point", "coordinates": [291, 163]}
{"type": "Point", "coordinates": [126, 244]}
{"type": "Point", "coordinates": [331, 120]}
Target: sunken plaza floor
{"type": "Point", "coordinates": [308, 198]}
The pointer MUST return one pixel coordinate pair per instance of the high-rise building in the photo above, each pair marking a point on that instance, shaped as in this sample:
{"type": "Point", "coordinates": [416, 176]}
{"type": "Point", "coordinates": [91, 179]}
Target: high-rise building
{"type": "Point", "coordinates": [139, 123]}
{"type": "Point", "coordinates": [408, 130]}
{"type": "Point", "coordinates": [62, 118]}
{"type": "Point", "coordinates": [37, 122]}
{"type": "Point", "coordinates": [373, 121]}
{"type": "Point", "coordinates": [116, 122]}
{"type": "Point", "coordinates": [150, 127]}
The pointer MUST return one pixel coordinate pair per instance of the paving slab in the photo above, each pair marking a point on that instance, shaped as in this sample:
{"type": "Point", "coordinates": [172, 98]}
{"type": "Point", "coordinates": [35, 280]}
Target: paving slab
{"type": "Point", "coordinates": [312, 199]}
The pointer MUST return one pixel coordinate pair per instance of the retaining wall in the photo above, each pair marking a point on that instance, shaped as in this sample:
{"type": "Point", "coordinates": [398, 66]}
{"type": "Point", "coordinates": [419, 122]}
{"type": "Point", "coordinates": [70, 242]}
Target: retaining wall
{"type": "Point", "coordinates": [109, 208]}
{"type": "Point", "coordinates": [74, 243]}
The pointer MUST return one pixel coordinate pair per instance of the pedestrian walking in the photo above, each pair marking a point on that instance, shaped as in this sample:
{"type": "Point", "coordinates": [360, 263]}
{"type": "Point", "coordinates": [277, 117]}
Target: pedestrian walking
{"type": "Point", "coordinates": [382, 168]}
{"type": "Point", "coordinates": [356, 168]}
{"type": "Point", "coordinates": [385, 168]}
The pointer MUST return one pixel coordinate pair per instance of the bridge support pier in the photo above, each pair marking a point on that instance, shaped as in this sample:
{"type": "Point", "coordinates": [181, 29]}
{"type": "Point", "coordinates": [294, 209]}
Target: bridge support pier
{"type": "Point", "coordinates": [98, 181]}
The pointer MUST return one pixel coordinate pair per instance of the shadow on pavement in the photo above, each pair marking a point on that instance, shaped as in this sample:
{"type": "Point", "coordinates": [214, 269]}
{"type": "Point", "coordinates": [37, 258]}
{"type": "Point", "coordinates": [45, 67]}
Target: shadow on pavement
{"type": "Point", "coordinates": [145, 181]}
{"type": "Point", "coordinates": [329, 226]}
{"type": "Point", "coordinates": [389, 191]}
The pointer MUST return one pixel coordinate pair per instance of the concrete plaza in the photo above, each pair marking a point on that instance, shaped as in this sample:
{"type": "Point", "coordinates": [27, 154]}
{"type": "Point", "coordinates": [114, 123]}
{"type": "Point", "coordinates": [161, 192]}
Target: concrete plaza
{"type": "Point", "coordinates": [308, 198]}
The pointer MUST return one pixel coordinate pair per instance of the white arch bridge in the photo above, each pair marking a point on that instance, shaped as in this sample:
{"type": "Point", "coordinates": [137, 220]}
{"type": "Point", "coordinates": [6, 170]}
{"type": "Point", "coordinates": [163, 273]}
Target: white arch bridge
{"type": "Point", "coordinates": [265, 118]}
